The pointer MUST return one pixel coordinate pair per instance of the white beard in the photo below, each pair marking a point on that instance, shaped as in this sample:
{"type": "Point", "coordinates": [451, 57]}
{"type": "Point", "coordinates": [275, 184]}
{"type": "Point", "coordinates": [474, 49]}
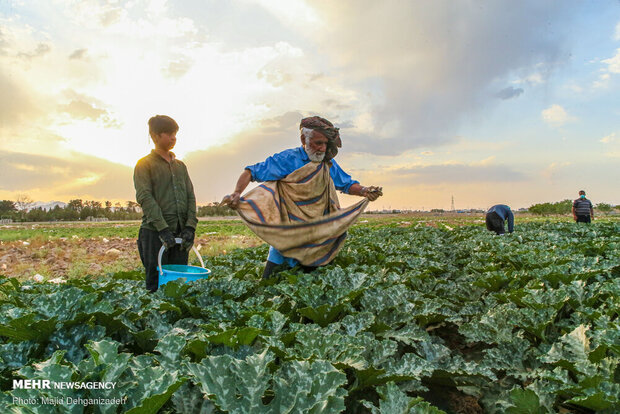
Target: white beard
{"type": "Point", "coordinates": [315, 156]}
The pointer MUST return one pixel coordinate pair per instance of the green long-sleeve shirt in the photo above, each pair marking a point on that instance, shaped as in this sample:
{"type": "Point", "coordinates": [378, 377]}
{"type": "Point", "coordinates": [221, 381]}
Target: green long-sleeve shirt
{"type": "Point", "coordinates": [165, 193]}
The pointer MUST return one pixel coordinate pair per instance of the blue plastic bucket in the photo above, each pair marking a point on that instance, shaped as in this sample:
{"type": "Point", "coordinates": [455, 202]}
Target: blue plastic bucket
{"type": "Point", "coordinates": [190, 273]}
{"type": "Point", "coordinates": [170, 272]}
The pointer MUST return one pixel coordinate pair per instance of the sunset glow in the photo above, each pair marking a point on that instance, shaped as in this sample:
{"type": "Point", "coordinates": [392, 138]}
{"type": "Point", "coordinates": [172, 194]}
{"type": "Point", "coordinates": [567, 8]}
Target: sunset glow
{"type": "Point", "coordinates": [501, 102]}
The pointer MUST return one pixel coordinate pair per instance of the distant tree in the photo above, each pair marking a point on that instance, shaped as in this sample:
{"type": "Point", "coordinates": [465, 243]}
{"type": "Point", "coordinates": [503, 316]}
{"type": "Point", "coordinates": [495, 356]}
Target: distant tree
{"type": "Point", "coordinates": [560, 207]}
{"type": "Point", "coordinates": [23, 201]}
{"type": "Point", "coordinates": [214, 209]}
{"type": "Point", "coordinates": [108, 205]}
{"type": "Point", "coordinates": [604, 207]}
{"type": "Point", "coordinates": [37, 214]}
{"type": "Point", "coordinates": [7, 206]}
{"type": "Point", "coordinates": [76, 205]}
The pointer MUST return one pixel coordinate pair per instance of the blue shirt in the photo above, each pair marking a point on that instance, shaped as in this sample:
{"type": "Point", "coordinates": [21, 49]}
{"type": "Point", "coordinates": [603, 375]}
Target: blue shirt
{"type": "Point", "coordinates": [282, 164]}
{"type": "Point", "coordinates": [504, 212]}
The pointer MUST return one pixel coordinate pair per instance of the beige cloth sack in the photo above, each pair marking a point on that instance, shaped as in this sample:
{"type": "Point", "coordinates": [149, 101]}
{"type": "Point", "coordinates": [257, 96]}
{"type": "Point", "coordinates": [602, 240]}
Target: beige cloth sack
{"type": "Point", "coordinates": [300, 214]}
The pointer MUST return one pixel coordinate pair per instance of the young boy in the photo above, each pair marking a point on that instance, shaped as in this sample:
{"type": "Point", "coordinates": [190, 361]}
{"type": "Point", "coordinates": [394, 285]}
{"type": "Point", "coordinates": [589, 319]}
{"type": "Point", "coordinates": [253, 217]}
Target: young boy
{"type": "Point", "coordinates": [166, 195]}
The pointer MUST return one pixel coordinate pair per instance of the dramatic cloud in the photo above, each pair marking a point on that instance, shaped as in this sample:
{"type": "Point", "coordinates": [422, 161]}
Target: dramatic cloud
{"type": "Point", "coordinates": [17, 103]}
{"type": "Point", "coordinates": [214, 172]}
{"type": "Point", "coordinates": [509, 93]}
{"type": "Point", "coordinates": [430, 66]}
{"type": "Point", "coordinates": [419, 90]}
{"type": "Point", "coordinates": [80, 176]}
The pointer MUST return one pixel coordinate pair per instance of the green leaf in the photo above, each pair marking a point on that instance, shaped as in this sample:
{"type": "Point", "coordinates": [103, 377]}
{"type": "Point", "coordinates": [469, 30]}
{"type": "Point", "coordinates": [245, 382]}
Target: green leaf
{"type": "Point", "coordinates": [322, 315]}
{"type": "Point", "coordinates": [236, 386]}
{"type": "Point", "coordinates": [525, 402]}
{"type": "Point", "coordinates": [239, 386]}
{"type": "Point", "coordinates": [189, 399]}
{"type": "Point", "coordinates": [28, 328]}
{"type": "Point", "coordinates": [571, 351]}
{"type": "Point", "coordinates": [606, 395]}
{"type": "Point", "coordinates": [305, 387]}
{"type": "Point", "coordinates": [394, 401]}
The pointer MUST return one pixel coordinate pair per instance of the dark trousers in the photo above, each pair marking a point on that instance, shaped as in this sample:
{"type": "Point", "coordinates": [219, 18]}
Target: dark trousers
{"type": "Point", "coordinates": [148, 247]}
{"type": "Point", "coordinates": [495, 223]}
{"type": "Point", "coordinates": [583, 219]}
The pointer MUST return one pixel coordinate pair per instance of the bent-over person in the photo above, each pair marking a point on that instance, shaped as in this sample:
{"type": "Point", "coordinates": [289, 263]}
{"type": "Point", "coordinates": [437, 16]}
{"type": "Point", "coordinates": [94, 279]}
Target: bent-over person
{"type": "Point", "coordinates": [496, 217]}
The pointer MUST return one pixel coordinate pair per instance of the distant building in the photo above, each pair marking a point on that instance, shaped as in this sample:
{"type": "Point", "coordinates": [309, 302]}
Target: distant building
{"type": "Point", "coordinates": [91, 218]}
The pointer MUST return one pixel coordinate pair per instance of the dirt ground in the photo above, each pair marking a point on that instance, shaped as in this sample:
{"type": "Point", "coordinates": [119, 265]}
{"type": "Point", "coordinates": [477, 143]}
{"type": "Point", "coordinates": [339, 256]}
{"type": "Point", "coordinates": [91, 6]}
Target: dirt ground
{"type": "Point", "coordinates": [76, 257]}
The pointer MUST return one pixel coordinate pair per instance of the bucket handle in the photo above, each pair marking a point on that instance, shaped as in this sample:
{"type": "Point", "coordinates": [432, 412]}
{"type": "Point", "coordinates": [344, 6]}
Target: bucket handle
{"type": "Point", "coordinates": [179, 241]}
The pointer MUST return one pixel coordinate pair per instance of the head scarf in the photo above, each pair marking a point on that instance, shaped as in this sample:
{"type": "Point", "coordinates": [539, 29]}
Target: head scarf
{"type": "Point", "coordinates": [326, 128]}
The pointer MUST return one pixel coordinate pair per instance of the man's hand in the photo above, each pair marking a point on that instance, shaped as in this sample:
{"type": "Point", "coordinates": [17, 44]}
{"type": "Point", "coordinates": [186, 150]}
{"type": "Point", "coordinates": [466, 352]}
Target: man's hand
{"type": "Point", "coordinates": [231, 200]}
{"type": "Point", "coordinates": [167, 238]}
{"type": "Point", "coordinates": [372, 192]}
{"type": "Point", "coordinates": [187, 235]}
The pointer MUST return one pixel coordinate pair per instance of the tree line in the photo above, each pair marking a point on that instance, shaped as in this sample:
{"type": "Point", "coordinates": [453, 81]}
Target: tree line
{"type": "Point", "coordinates": [565, 207]}
{"type": "Point", "coordinates": [77, 209]}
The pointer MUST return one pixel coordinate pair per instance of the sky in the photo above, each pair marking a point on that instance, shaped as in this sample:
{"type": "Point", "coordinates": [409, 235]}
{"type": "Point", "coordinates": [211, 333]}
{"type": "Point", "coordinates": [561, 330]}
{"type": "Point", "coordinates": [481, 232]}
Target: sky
{"type": "Point", "coordinates": [482, 101]}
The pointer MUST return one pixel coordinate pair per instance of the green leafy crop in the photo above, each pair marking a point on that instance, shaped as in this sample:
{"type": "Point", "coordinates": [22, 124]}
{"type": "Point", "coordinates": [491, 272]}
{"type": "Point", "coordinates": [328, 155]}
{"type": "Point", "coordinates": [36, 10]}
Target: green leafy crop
{"type": "Point", "coordinates": [405, 320]}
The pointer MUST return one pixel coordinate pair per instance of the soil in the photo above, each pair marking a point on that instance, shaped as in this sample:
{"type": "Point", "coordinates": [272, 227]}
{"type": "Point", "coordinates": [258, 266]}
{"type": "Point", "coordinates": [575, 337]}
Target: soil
{"type": "Point", "coordinates": [452, 400]}
{"type": "Point", "coordinates": [75, 257]}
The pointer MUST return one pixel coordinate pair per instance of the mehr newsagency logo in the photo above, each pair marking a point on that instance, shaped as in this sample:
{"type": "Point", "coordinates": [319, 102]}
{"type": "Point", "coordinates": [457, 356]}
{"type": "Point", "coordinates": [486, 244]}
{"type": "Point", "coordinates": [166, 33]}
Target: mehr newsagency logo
{"type": "Point", "coordinates": [65, 385]}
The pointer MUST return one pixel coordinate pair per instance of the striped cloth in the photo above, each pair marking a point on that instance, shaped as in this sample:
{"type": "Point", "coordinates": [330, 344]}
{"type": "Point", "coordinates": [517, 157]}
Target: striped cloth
{"type": "Point", "coordinates": [582, 207]}
{"type": "Point", "coordinates": [300, 215]}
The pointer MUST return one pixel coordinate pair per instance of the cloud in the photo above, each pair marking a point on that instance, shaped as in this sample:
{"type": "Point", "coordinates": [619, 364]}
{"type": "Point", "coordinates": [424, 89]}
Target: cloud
{"type": "Point", "coordinates": [139, 19]}
{"type": "Point", "coordinates": [432, 67]}
{"type": "Point", "coordinates": [214, 172]}
{"type": "Point", "coordinates": [178, 67]}
{"type": "Point", "coordinates": [509, 93]}
{"type": "Point", "coordinates": [45, 177]}
{"type": "Point", "coordinates": [18, 103]}
{"type": "Point", "coordinates": [551, 171]}
{"type": "Point", "coordinates": [613, 137]}
{"type": "Point", "coordinates": [3, 43]}
{"type": "Point", "coordinates": [555, 115]}
{"type": "Point", "coordinates": [78, 54]}
{"type": "Point", "coordinates": [613, 63]}
{"type": "Point", "coordinates": [40, 50]}
{"type": "Point", "coordinates": [612, 145]}
{"type": "Point", "coordinates": [110, 16]}
{"type": "Point", "coordinates": [84, 107]}
{"type": "Point", "coordinates": [82, 110]}
{"type": "Point", "coordinates": [617, 32]}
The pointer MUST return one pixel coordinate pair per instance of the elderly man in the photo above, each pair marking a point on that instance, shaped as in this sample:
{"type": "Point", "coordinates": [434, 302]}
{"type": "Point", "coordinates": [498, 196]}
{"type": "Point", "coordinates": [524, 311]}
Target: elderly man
{"type": "Point", "coordinates": [296, 209]}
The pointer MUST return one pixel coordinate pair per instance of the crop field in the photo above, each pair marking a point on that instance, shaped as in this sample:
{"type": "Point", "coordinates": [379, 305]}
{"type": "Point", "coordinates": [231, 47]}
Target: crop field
{"type": "Point", "coordinates": [417, 314]}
